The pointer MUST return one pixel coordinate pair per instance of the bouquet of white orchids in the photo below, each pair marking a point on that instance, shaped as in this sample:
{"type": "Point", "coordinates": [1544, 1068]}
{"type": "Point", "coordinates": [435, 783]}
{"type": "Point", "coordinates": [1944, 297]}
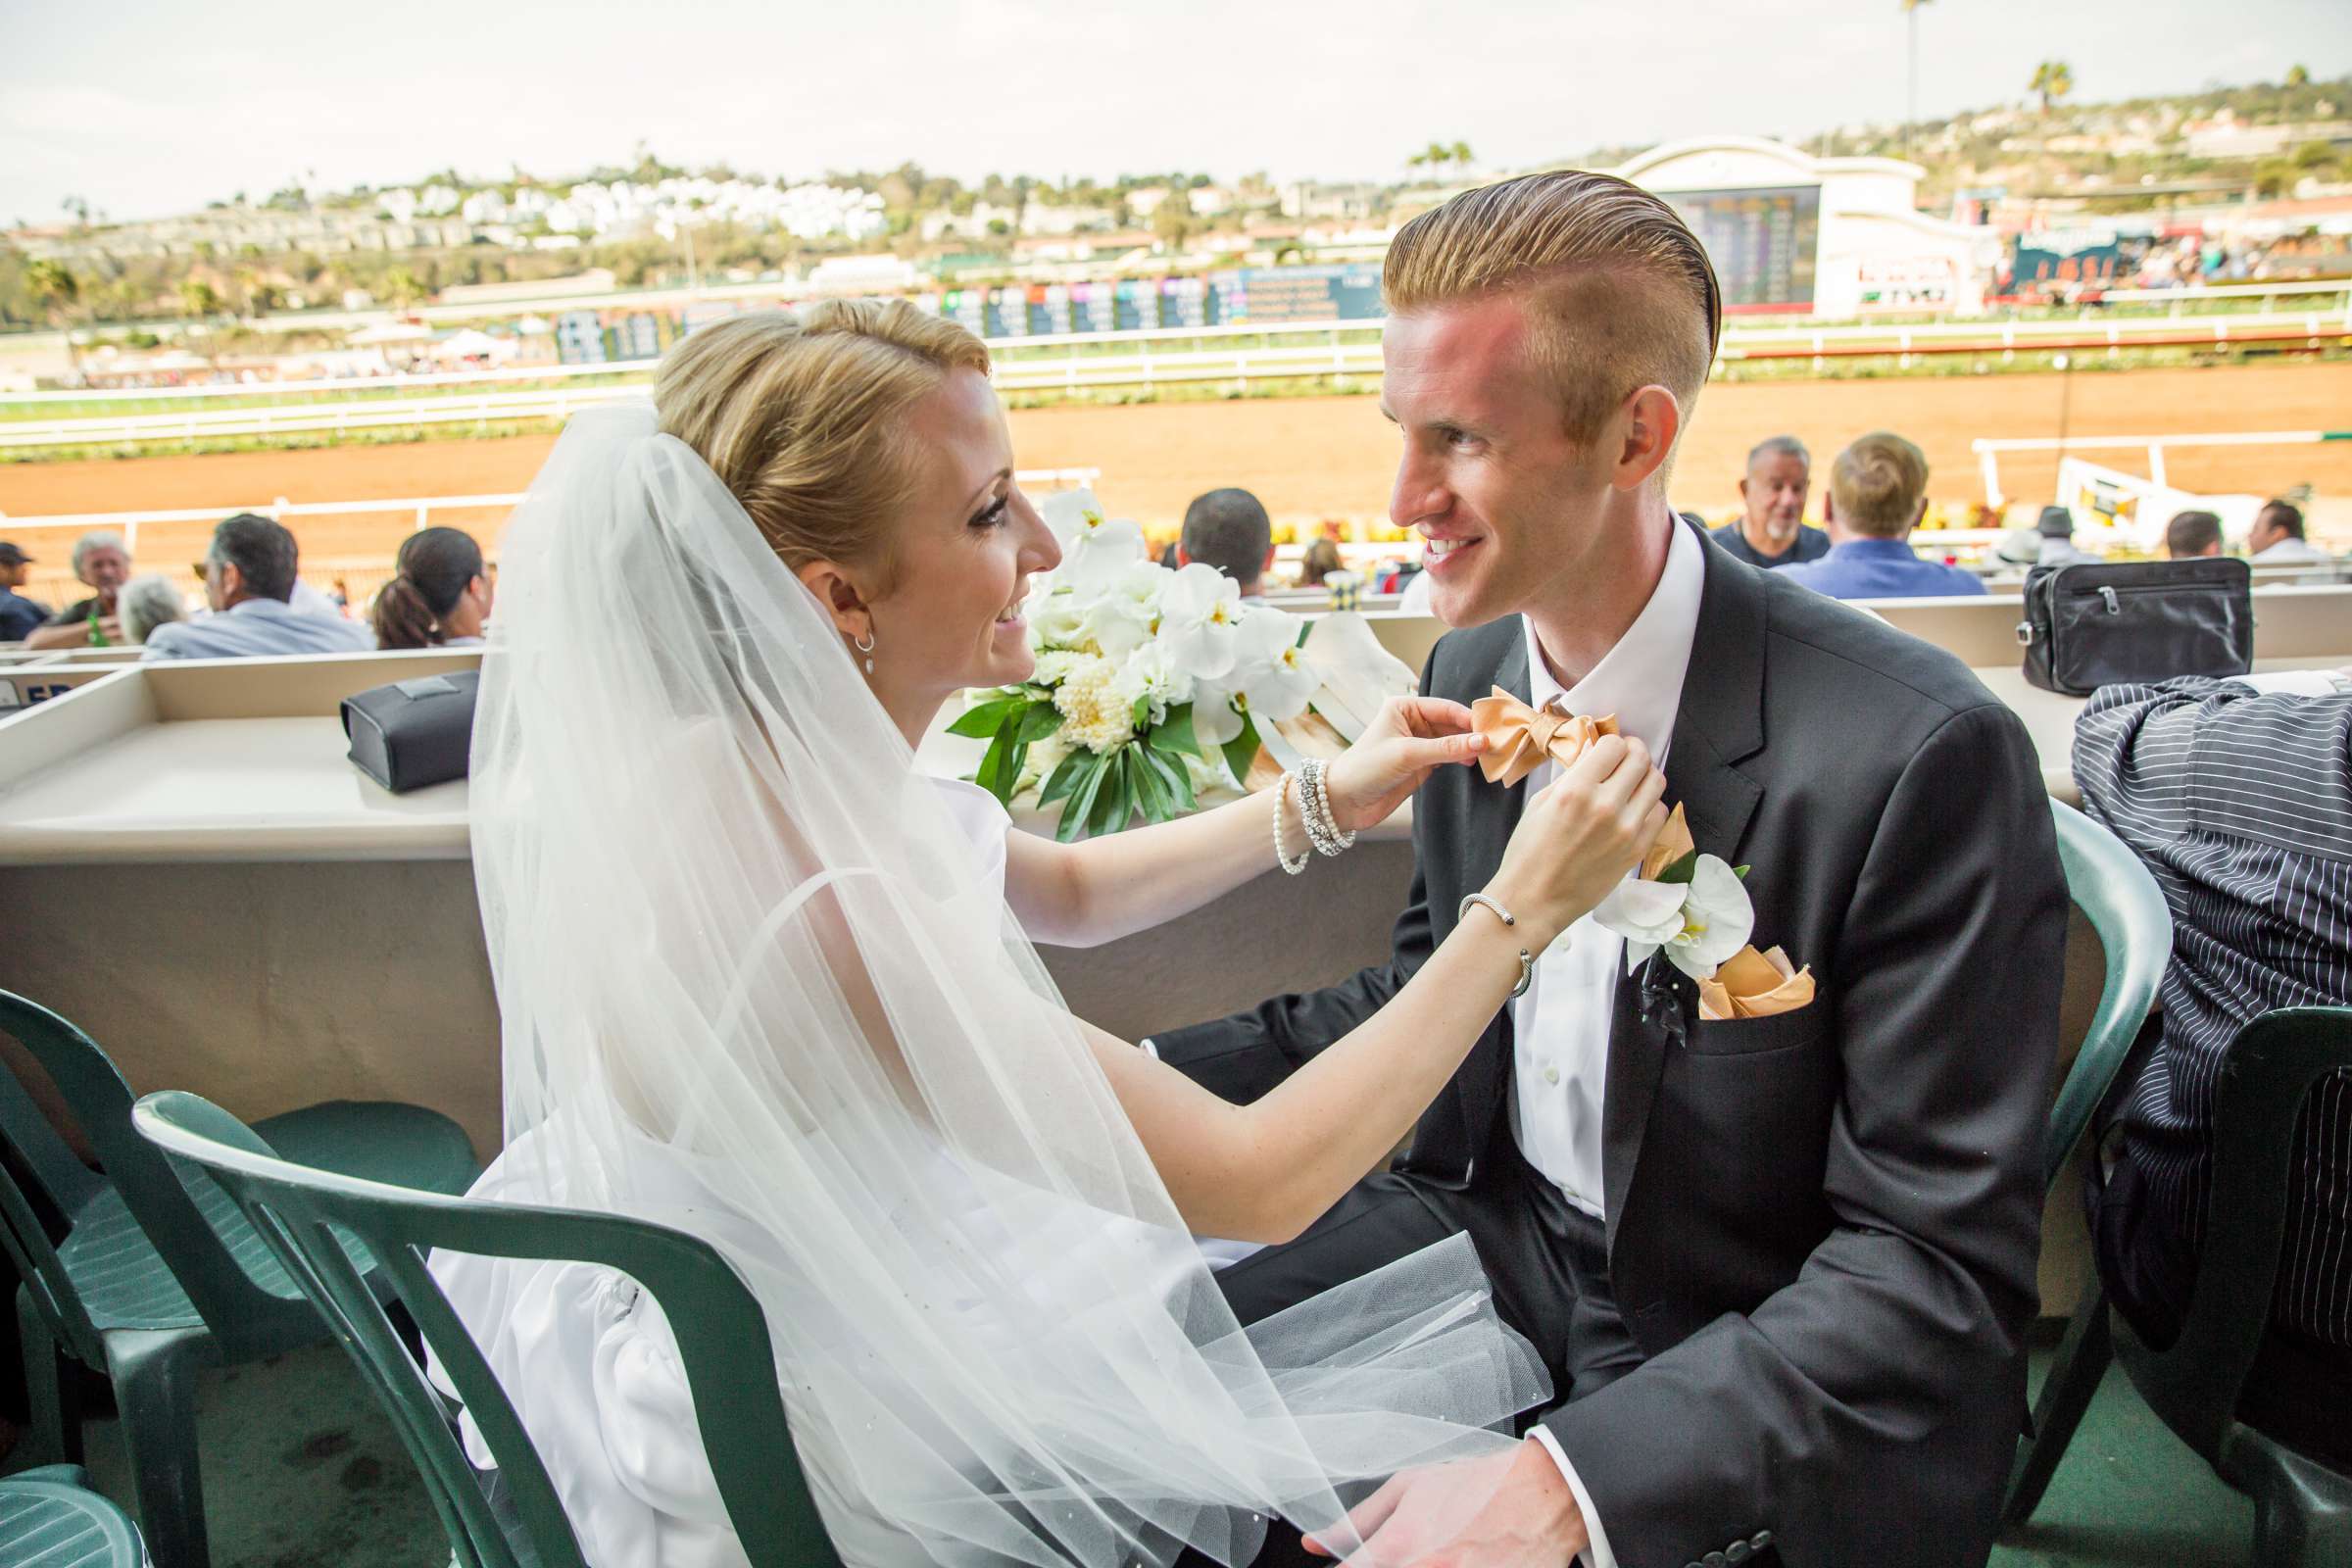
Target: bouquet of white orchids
{"type": "Point", "coordinates": [1150, 683]}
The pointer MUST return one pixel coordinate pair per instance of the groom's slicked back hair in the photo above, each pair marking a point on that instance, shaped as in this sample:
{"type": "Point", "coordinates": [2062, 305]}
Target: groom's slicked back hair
{"type": "Point", "coordinates": [1619, 291]}
{"type": "Point", "coordinates": [803, 417]}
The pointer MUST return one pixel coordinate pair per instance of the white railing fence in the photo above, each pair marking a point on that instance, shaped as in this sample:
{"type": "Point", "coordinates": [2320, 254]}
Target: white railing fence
{"type": "Point", "coordinates": [1989, 450]}
{"type": "Point", "coordinates": [1164, 356]}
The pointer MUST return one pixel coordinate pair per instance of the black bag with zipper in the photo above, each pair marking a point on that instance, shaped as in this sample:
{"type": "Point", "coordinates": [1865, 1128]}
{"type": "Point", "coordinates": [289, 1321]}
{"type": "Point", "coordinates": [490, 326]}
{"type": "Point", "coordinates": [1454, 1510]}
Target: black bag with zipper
{"type": "Point", "coordinates": [415, 732]}
{"type": "Point", "coordinates": [2094, 623]}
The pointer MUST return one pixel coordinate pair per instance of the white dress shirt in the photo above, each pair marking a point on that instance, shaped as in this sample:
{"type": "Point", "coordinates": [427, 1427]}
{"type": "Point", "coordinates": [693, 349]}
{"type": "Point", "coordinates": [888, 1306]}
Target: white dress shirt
{"type": "Point", "coordinates": [1560, 1028]}
{"type": "Point", "coordinates": [2291, 553]}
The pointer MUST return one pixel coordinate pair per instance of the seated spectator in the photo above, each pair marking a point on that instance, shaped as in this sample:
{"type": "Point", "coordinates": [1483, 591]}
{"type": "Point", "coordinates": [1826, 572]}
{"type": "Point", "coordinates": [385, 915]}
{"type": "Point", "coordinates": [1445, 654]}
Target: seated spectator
{"type": "Point", "coordinates": [2056, 526]}
{"type": "Point", "coordinates": [2238, 794]}
{"type": "Point", "coordinates": [1322, 559]}
{"type": "Point", "coordinates": [1229, 529]}
{"type": "Point", "coordinates": [2276, 539]}
{"type": "Point", "coordinates": [2018, 546]}
{"type": "Point", "coordinates": [149, 602]}
{"type": "Point", "coordinates": [1878, 493]}
{"type": "Point", "coordinates": [2191, 534]}
{"type": "Point", "coordinates": [249, 574]}
{"type": "Point", "coordinates": [1774, 532]}
{"type": "Point", "coordinates": [18, 616]}
{"type": "Point", "coordinates": [103, 563]}
{"type": "Point", "coordinates": [441, 596]}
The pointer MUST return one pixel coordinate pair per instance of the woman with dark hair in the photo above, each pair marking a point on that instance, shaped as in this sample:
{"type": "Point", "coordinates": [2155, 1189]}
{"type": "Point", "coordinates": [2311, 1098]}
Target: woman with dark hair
{"type": "Point", "coordinates": [441, 596]}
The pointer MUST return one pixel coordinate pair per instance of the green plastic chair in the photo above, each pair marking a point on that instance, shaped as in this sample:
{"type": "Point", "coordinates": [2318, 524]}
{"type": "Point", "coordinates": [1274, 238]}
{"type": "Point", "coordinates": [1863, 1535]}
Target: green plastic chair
{"type": "Point", "coordinates": [722, 1332]}
{"type": "Point", "coordinates": [2302, 1508]}
{"type": "Point", "coordinates": [2126, 907]}
{"type": "Point", "coordinates": [50, 1518]}
{"type": "Point", "coordinates": [147, 1273]}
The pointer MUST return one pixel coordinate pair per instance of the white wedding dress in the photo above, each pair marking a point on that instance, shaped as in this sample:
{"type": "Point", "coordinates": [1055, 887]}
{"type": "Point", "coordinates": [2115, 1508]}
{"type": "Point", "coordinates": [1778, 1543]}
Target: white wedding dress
{"type": "Point", "coordinates": [758, 980]}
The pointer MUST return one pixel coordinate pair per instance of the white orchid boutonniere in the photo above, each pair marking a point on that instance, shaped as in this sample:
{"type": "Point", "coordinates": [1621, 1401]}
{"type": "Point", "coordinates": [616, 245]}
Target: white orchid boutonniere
{"type": "Point", "coordinates": [1692, 906]}
{"type": "Point", "coordinates": [1696, 909]}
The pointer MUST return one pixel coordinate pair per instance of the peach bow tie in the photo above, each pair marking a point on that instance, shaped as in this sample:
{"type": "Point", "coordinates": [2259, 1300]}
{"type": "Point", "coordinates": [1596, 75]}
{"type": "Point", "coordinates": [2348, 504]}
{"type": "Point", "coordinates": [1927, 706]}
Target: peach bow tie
{"type": "Point", "coordinates": [1520, 737]}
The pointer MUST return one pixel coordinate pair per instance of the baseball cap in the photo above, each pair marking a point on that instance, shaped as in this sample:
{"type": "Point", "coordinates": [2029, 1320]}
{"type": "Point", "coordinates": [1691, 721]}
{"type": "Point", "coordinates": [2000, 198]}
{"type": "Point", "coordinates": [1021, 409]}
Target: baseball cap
{"type": "Point", "coordinates": [12, 554]}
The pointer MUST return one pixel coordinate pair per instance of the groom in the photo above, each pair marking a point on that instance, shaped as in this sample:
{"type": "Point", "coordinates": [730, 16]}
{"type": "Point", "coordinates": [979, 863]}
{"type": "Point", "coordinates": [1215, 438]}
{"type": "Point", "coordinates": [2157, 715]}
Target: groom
{"type": "Point", "coordinates": [1779, 1266]}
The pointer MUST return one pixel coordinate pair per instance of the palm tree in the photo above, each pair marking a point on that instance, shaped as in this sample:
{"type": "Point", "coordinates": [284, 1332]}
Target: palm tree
{"type": "Point", "coordinates": [1911, 109]}
{"type": "Point", "coordinates": [403, 287]}
{"type": "Point", "coordinates": [2297, 76]}
{"type": "Point", "coordinates": [1461, 157]}
{"type": "Point", "coordinates": [2053, 79]}
{"type": "Point", "coordinates": [54, 284]}
{"type": "Point", "coordinates": [199, 303]}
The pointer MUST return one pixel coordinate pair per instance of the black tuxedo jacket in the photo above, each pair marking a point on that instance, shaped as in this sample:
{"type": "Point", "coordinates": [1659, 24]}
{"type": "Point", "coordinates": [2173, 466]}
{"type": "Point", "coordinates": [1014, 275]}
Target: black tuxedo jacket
{"type": "Point", "coordinates": [1823, 1225]}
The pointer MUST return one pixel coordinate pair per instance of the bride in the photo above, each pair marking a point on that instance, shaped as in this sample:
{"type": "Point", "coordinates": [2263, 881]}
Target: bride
{"type": "Point", "coordinates": [761, 980]}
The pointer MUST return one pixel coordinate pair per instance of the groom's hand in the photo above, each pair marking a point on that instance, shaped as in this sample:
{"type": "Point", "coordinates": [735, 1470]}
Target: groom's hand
{"type": "Point", "coordinates": [1411, 737]}
{"type": "Point", "coordinates": [1514, 1510]}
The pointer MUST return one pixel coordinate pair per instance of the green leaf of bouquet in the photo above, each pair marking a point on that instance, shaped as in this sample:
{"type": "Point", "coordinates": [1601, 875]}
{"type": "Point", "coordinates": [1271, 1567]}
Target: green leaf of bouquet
{"type": "Point", "coordinates": [1064, 778]}
{"type": "Point", "coordinates": [993, 768]}
{"type": "Point", "coordinates": [1682, 871]}
{"type": "Point", "coordinates": [1115, 802]}
{"type": "Point", "coordinates": [1739, 871]}
{"type": "Point", "coordinates": [1174, 781]}
{"type": "Point", "coordinates": [1081, 800]}
{"type": "Point", "coordinates": [1039, 721]}
{"type": "Point", "coordinates": [982, 719]}
{"type": "Point", "coordinates": [1175, 733]}
{"type": "Point", "coordinates": [1152, 787]}
{"type": "Point", "coordinates": [1242, 751]}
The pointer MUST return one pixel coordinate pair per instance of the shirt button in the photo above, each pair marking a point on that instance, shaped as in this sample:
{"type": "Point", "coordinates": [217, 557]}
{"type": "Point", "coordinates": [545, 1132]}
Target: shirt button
{"type": "Point", "coordinates": [1552, 1075]}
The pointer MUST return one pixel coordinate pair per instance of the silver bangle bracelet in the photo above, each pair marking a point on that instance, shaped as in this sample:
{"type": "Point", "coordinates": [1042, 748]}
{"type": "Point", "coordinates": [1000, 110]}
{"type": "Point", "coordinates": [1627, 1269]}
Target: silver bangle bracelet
{"type": "Point", "coordinates": [1527, 959]}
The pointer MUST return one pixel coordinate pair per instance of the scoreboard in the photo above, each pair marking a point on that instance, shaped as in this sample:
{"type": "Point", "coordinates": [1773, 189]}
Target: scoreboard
{"type": "Point", "coordinates": [1763, 242]}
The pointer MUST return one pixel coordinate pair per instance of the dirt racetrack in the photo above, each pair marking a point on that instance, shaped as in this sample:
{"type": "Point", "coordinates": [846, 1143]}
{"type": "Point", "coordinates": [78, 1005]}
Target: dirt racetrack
{"type": "Point", "coordinates": [1307, 457]}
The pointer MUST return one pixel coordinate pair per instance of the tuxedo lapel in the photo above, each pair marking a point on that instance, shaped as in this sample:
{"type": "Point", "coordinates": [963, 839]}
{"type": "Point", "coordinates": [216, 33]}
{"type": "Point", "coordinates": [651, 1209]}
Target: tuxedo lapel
{"type": "Point", "coordinates": [1489, 816]}
{"type": "Point", "coordinates": [1495, 812]}
{"type": "Point", "coordinates": [1719, 725]}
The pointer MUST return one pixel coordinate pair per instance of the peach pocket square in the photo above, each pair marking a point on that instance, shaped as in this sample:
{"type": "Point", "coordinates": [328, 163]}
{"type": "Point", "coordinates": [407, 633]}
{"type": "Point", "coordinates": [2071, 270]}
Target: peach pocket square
{"type": "Point", "coordinates": [1754, 985]}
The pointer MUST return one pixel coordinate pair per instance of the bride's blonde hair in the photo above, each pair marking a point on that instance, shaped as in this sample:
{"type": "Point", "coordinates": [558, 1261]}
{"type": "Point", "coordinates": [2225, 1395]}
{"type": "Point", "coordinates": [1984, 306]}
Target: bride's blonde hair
{"type": "Point", "coordinates": [803, 417]}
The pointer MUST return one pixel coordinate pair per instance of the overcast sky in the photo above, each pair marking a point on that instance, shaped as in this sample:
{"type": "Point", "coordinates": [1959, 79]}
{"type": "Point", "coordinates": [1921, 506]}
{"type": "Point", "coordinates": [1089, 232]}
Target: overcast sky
{"type": "Point", "coordinates": [146, 108]}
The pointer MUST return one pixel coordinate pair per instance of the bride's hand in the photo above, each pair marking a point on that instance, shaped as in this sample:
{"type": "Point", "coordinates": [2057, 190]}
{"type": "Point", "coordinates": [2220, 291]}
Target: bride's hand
{"type": "Point", "coordinates": [1412, 737]}
{"type": "Point", "coordinates": [1580, 835]}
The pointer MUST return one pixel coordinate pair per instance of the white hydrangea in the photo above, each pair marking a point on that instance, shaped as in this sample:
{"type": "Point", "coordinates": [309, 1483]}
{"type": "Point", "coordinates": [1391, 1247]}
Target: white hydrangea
{"type": "Point", "coordinates": [1058, 664]}
{"type": "Point", "coordinates": [1154, 674]}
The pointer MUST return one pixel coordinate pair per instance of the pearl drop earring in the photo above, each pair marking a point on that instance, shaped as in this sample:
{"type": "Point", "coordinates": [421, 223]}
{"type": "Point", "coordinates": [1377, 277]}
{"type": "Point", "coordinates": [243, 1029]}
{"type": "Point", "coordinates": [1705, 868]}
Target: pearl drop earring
{"type": "Point", "coordinates": [865, 646]}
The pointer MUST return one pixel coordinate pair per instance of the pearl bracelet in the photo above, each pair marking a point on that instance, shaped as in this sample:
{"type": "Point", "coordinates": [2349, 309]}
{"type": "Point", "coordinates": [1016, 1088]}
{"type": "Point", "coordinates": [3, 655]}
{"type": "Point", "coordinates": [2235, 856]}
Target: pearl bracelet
{"type": "Point", "coordinates": [1281, 854]}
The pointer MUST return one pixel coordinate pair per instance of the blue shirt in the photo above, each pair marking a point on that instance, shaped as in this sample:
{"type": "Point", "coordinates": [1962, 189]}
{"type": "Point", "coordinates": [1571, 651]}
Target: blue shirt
{"type": "Point", "coordinates": [18, 616]}
{"type": "Point", "coordinates": [1881, 569]}
{"type": "Point", "coordinates": [1811, 544]}
{"type": "Point", "coordinates": [258, 627]}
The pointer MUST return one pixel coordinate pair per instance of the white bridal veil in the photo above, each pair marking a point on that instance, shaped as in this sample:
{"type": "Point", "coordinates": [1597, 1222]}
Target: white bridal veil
{"type": "Point", "coordinates": [752, 985]}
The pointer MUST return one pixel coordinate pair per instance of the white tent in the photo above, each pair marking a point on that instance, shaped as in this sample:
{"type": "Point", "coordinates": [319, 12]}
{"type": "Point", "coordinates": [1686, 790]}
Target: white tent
{"type": "Point", "coordinates": [389, 332]}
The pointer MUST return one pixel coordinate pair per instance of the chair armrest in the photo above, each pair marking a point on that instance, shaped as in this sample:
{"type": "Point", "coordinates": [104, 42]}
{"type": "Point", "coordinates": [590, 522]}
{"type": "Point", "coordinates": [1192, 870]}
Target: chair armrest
{"type": "Point", "coordinates": [2266, 1076]}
